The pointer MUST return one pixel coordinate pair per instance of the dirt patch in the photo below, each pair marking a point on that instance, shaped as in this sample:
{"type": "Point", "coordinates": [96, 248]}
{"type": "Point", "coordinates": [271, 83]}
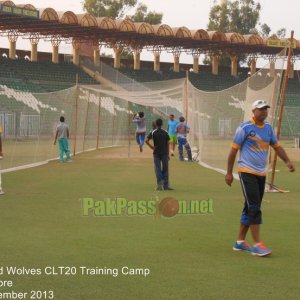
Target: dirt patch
{"type": "Point", "coordinates": [124, 152]}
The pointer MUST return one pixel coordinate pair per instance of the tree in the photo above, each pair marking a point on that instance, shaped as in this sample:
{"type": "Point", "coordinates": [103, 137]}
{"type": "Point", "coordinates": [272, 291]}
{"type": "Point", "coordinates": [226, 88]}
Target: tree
{"type": "Point", "coordinates": [119, 9]}
{"type": "Point", "coordinates": [281, 33]}
{"type": "Point", "coordinates": [109, 8]}
{"type": "Point", "coordinates": [142, 15]}
{"type": "Point", "coordinates": [264, 30]}
{"type": "Point", "coordinates": [219, 18]}
{"type": "Point", "coordinates": [239, 16]}
{"type": "Point", "coordinates": [244, 16]}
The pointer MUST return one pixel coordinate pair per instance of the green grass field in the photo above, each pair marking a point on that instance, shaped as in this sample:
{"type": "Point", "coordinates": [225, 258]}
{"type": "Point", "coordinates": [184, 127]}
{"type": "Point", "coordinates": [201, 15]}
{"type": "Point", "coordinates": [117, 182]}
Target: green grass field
{"type": "Point", "coordinates": [189, 256]}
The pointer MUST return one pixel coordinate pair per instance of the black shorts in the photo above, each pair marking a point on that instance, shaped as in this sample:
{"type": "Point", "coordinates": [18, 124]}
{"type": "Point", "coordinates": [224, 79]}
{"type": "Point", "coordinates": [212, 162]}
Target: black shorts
{"type": "Point", "coordinates": [253, 187]}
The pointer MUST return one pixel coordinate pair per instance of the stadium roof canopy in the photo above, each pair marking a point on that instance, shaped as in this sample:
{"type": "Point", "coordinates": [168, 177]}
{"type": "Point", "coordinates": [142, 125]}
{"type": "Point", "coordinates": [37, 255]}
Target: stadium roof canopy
{"type": "Point", "coordinates": [26, 20]}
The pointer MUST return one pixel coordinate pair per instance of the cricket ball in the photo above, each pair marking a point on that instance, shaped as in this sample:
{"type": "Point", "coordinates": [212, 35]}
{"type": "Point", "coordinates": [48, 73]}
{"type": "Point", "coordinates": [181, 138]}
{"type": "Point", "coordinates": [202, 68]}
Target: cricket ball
{"type": "Point", "coordinates": [168, 207]}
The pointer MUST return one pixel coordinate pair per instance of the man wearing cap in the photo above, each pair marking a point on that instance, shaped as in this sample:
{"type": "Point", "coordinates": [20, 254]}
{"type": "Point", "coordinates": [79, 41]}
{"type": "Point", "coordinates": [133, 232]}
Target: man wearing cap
{"type": "Point", "coordinates": [253, 139]}
{"type": "Point", "coordinates": [182, 130]}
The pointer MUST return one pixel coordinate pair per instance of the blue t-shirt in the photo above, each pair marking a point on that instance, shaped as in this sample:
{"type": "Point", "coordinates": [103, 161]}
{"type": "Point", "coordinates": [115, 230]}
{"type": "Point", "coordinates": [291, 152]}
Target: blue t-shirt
{"type": "Point", "coordinates": [140, 124]}
{"type": "Point", "coordinates": [253, 141]}
{"type": "Point", "coordinates": [182, 130]}
{"type": "Point", "coordinates": [172, 127]}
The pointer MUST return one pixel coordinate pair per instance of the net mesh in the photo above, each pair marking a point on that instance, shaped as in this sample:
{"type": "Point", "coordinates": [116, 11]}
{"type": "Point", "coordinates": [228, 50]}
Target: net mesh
{"type": "Point", "coordinates": [214, 116]}
{"type": "Point", "coordinates": [97, 117]}
{"type": "Point", "coordinates": [100, 115]}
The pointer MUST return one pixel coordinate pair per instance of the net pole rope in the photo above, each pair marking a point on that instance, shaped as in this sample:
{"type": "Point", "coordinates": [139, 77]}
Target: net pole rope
{"type": "Point", "coordinates": [282, 103]}
{"type": "Point", "coordinates": [76, 114]}
{"type": "Point", "coordinates": [98, 122]}
{"type": "Point", "coordinates": [86, 120]}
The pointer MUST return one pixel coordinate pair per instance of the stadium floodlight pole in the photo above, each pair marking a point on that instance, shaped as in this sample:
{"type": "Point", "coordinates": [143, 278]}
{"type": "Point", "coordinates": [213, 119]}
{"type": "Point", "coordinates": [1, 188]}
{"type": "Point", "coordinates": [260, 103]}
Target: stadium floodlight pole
{"type": "Point", "coordinates": [282, 102]}
{"type": "Point", "coordinates": [76, 114]}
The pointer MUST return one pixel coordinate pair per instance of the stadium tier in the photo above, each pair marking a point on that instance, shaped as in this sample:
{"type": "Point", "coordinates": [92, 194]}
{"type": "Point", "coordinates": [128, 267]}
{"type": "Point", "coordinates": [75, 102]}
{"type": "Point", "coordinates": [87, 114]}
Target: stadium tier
{"type": "Point", "coordinates": [39, 77]}
{"type": "Point", "coordinates": [150, 75]}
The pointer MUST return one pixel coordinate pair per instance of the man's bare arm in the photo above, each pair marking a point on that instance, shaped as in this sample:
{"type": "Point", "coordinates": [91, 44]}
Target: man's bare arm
{"type": "Point", "coordinates": [230, 164]}
{"type": "Point", "coordinates": [282, 154]}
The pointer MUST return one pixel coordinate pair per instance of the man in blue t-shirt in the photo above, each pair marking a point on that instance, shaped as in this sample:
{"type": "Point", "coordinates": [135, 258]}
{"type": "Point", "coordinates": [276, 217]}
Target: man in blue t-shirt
{"type": "Point", "coordinates": [140, 132]}
{"type": "Point", "coordinates": [172, 124]}
{"type": "Point", "coordinates": [182, 130]}
{"type": "Point", "coordinates": [253, 139]}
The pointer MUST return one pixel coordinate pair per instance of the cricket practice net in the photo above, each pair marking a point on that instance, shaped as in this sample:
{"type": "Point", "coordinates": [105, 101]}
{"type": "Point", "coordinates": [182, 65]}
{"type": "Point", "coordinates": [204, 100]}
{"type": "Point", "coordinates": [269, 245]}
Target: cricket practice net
{"type": "Point", "coordinates": [97, 116]}
{"type": "Point", "coordinates": [100, 115]}
{"type": "Point", "coordinates": [214, 116]}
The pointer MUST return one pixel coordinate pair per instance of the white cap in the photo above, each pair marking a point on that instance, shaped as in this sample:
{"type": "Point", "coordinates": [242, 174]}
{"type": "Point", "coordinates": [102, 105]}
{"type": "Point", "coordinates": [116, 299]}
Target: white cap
{"type": "Point", "coordinates": [260, 104]}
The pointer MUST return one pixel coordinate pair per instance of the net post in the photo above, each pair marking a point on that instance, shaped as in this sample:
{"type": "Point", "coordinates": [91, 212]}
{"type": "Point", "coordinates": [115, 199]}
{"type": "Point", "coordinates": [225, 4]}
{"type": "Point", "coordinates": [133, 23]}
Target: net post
{"type": "Point", "coordinates": [185, 96]}
{"type": "Point", "coordinates": [1, 190]}
{"type": "Point", "coordinates": [273, 114]}
{"type": "Point", "coordinates": [86, 120]}
{"type": "Point", "coordinates": [113, 121]}
{"type": "Point", "coordinates": [282, 103]}
{"type": "Point", "coordinates": [76, 114]}
{"type": "Point", "coordinates": [128, 128]}
{"type": "Point", "coordinates": [98, 122]}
